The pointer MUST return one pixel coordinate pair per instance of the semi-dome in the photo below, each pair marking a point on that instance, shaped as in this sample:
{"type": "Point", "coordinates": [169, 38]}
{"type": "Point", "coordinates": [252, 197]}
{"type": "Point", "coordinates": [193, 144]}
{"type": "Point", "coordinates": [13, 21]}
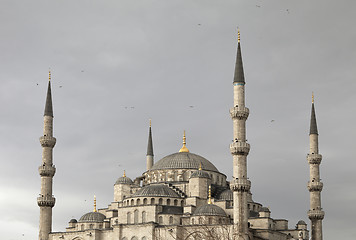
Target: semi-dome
{"type": "Point", "coordinates": [226, 195]}
{"type": "Point", "coordinates": [92, 217]}
{"type": "Point", "coordinates": [209, 210]}
{"type": "Point", "coordinates": [184, 160]}
{"type": "Point", "coordinates": [200, 174]}
{"type": "Point", "coordinates": [156, 190]}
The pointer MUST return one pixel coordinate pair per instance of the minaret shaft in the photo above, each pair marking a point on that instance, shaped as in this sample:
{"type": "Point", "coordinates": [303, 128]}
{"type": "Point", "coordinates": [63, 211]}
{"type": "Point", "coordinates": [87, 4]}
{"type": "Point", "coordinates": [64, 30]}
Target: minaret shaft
{"type": "Point", "coordinates": [47, 170]}
{"type": "Point", "coordinates": [315, 186]}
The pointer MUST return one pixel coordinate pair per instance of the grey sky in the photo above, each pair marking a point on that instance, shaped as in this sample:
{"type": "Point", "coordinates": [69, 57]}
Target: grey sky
{"type": "Point", "coordinates": [160, 57]}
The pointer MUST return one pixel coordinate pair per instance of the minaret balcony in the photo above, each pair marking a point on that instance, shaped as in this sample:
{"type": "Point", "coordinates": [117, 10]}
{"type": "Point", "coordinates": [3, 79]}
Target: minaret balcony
{"type": "Point", "coordinates": [316, 214]}
{"type": "Point", "coordinates": [315, 186]}
{"type": "Point", "coordinates": [46, 171]}
{"type": "Point", "coordinates": [239, 148]}
{"type": "Point", "coordinates": [47, 141]}
{"type": "Point", "coordinates": [240, 185]}
{"type": "Point", "coordinates": [46, 201]}
{"type": "Point", "coordinates": [314, 158]}
{"type": "Point", "coordinates": [239, 112]}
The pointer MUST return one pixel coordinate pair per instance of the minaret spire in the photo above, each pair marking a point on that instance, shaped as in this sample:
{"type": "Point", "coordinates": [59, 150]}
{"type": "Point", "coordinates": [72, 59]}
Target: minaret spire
{"type": "Point", "coordinates": [315, 186]}
{"type": "Point", "coordinates": [239, 149]}
{"type": "Point", "coordinates": [47, 170]}
{"type": "Point", "coordinates": [149, 155]}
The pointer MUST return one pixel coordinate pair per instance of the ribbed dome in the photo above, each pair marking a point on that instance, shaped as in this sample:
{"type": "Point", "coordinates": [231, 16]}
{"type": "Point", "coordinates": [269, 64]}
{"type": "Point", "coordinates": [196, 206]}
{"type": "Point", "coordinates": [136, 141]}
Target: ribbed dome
{"type": "Point", "coordinates": [209, 210]}
{"type": "Point", "coordinates": [124, 180]}
{"type": "Point", "coordinates": [92, 217]}
{"type": "Point", "coordinates": [184, 160]}
{"type": "Point", "coordinates": [200, 174]}
{"type": "Point", "coordinates": [301, 222]}
{"type": "Point", "coordinates": [156, 190]}
{"type": "Point", "coordinates": [226, 195]}
{"type": "Point", "coordinates": [264, 209]}
{"type": "Point", "coordinates": [73, 221]}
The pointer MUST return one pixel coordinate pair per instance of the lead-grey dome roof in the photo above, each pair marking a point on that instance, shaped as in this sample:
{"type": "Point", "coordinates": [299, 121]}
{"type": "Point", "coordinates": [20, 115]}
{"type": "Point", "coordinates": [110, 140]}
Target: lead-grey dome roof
{"type": "Point", "coordinates": [156, 190]}
{"type": "Point", "coordinates": [264, 209]}
{"type": "Point", "coordinates": [209, 210]}
{"type": "Point", "coordinates": [92, 217]}
{"type": "Point", "coordinates": [124, 180]}
{"type": "Point", "coordinates": [226, 195]}
{"type": "Point", "coordinates": [184, 160]}
{"type": "Point", "coordinates": [200, 174]}
{"type": "Point", "coordinates": [301, 222]}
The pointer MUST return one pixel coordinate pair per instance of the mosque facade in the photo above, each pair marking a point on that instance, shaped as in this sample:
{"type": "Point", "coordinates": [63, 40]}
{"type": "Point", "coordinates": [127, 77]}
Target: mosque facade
{"type": "Point", "coordinates": [184, 195]}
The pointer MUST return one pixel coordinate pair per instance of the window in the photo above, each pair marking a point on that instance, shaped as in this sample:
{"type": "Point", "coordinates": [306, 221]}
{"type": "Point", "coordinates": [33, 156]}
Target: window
{"type": "Point", "coordinates": [175, 202]}
{"type": "Point", "coordinates": [145, 201]}
{"type": "Point", "coordinates": [136, 216]}
{"type": "Point", "coordinates": [152, 201]}
{"type": "Point", "coordinates": [160, 220]}
{"type": "Point", "coordinates": [193, 221]}
{"type": "Point", "coordinates": [144, 216]}
{"type": "Point", "coordinates": [138, 202]}
{"type": "Point", "coordinates": [168, 202]}
{"type": "Point", "coordinates": [132, 202]}
{"type": "Point", "coordinates": [91, 226]}
{"type": "Point", "coordinates": [160, 201]}
{"type": "Point", "coordinates": [82, 227]}
{"type": "Point", "coordinates": [128, 218]}
{"type": "Point", "coordinates": [200, 220]}
{"type": "Point", "coordinates": [182, 203]}
{"type": "Point", "coordinates": [170, 220]}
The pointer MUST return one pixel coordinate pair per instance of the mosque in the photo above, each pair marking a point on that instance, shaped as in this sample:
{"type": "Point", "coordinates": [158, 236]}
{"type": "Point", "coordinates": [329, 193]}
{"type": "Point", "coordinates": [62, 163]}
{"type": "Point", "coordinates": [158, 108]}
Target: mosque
{"type": "Point", "coordinates": [184, 195]}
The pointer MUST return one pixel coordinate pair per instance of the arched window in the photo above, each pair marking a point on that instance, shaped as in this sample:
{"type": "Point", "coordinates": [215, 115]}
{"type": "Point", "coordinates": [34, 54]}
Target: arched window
{"type": "Point", "coordinates": [193, 221]}
{"type": "Point", "coordinates": [132, 202]}
{"type": "Point", "coordinates": [145, 201]}
{"type": "Point", "coordinates": [160, 201]}
{"type": "Point", "coordinates": [168, 202]}
{"type": "Point", "coordinates": [182, 203]}
{"type": "Point", "coordinates": [152, 201]}
{"type": "Point", "coordinates": [136, 216]}
{"type": "Point", "coordinates": [219, 220]}
{"type": "Point", "coordinates": [100, 226]}
{"type": "Point", "coordinates": [160, 220]}
{"type": "Point", "coordinates": [144, 216]}
{"type": "Point", "coordinates": [128, 218]}
{"type": "Point", "coordinates": [82, 227]}
{"type": "Point", "coordinates": [138, 202]}
{"type": "Point", "coordinates": [170, 220]}
{"type": "Point", "coordinates": [200, 220]}
{"type": "Point", "coordinates": [175, 202]}
{"type": "Point", "coordinates": [91, 226]}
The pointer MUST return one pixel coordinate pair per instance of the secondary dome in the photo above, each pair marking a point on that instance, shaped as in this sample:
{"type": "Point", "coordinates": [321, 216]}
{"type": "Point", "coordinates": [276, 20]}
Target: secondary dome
{"type": "Point", "coordinates": [92, 217]}
{"type": "Point", "coordinates": [209, 210]}
{"type": "Point", "coordinates": [124, 180]}
{"type": "Point", "coordinates": [226, 195]}
{"type": "Point", "coordinates": [184, 160]}
{"type": "Point", "coordinates": [156, 190]}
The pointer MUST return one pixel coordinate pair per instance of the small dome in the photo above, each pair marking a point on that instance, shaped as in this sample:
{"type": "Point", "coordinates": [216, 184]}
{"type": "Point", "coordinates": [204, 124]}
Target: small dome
{"type": "Point", "coordinates": [301, 222]}
{"type": "Point", "coordinates": [73, 221]}
{"type": "Point", "coordinates": [264, 209]}
{"type": "Point", "coordinates": [226, 195]}
{"type": "Point", "coordinates": [124, 180]}
{"type": "Point", "coordinates": [184, 160]}
{"type": "Point", "coordinates": [200, 174]}
{"type": "Point", "coordinates": [209, 210]}
{"type": "Point", "coordinates": [156, 190]}
{"type": "Point", "coordinates": [92, 217]}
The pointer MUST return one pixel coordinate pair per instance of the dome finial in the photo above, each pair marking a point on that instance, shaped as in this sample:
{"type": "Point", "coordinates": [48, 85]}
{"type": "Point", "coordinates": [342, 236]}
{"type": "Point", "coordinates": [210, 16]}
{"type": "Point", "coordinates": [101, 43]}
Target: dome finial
{"type": "Point", "coordinates": [238, 34]}
{"type": "Point", "coordinates": [200, 166]}
{"type": "Point", "coordinates": [209, 201]}
{"type": "Point", "coordinates": [124, 175]}
{"type": "Point", "coordinates": [184, 148]}
{"type": "Point", "coordinates": [94, 204]}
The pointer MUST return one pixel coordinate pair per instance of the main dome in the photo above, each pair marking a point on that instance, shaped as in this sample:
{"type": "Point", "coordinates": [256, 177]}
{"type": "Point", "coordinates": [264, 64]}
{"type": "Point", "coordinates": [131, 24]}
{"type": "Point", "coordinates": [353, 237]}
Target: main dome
{"type": "Point", "coordinates": [184, 160]}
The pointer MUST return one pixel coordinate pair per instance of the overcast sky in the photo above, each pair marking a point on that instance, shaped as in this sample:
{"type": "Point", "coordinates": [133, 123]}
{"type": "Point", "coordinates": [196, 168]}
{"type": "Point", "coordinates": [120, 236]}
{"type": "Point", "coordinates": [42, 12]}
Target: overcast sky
{"type": "Point", "coordinates": [116, 64]}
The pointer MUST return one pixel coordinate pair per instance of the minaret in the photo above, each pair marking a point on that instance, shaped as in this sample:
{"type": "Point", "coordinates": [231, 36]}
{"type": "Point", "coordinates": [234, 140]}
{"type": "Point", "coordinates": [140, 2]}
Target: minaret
{"type": "Point", "coordinates": [149, 156]}
{"type": "Point", "coordinates": [47, 170]}
{"type": "Point", "coordinates": [315, 186]}
{"type": "Point", "coordinates": [239, 149]}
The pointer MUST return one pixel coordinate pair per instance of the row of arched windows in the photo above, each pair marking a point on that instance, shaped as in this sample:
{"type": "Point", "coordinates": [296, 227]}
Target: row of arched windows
{"type": "Point", "coordinates": [136, 217]}
{"type": "Point", "coordinates": [153, 201]}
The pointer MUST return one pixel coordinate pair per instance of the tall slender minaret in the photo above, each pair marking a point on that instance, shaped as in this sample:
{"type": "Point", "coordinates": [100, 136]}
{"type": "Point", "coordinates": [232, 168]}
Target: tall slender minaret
{"type": "Point", "coordinates": [149, 155]}
{"type": "Point", "coordinates": [47, 170]}
{"type": "Point", "coordinates": [239, 149]}
{"type": "Point", "coordinates": [315, 186]}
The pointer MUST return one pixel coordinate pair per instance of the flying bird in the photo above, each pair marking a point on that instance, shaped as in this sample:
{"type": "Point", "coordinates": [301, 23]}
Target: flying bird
{"type": "Point", "coordinates": [272, 120]}
{"type": "Point", "coordinates": [258, 6]}
{"type": "Point", "coordinates": [191, 106]}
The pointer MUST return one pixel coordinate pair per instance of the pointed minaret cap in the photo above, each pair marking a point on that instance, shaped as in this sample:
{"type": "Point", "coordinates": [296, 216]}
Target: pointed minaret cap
{"type": "Point", "coordinates": [239, 70]}
{"type": "Point", "coordinates": [150, 144]}
{"type": "Point", "coordinates": [48, 107]}
{"type": "Point", "coordinates": [94, 204]}
{"type": "Point", "coordinates": [184, 148]}
{"type": "Point", "coordinates": [313, 126]}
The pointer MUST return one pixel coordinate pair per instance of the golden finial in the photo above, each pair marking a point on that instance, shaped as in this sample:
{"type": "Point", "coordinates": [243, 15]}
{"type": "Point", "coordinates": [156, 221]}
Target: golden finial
{"type": "Point", "coordinates": [238, 35]}
{"type": "Point", "coordinates": [200, 166]}
{"type": "Point", "coordinates": [150, 123]}
{"type": "Point", "coordinates": [184, 148]}
{"type": "Point", "coordinates": [49, 74]}
{"type": "Point", "coordinates": [312, 97]}
{"type": "Point", "coordinates": [124, 175]}
{"type": "Point", "coordinates": [209, 201]}
{"type": "Point", "coordinates": [94, 203]}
